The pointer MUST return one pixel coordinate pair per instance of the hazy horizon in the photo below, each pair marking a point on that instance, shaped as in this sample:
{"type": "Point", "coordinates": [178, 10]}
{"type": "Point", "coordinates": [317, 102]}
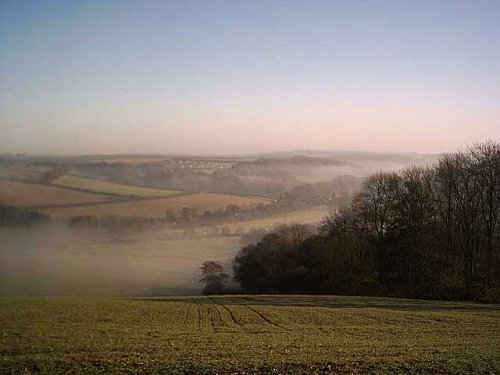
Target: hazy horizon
{"type": "Point", "coordinates": [234, 77]}
{"type": "Point", "coordinates": [271, 153]}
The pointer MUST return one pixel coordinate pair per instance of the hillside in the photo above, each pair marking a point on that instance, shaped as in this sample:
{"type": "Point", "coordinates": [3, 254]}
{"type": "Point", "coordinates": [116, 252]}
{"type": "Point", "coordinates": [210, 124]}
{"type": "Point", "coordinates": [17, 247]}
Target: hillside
{"type": "Point", "coordinates": [104, 187]}
{"type": "Point", "coordinates": [156, 208]}
{"type": "Point", "coordinates": [29, 195]}
{"type": "Point", "coordinates": [248, 334]}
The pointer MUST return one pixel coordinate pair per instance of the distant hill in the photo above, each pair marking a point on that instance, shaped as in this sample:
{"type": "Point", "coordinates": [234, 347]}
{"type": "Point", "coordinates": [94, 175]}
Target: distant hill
{"type": "Point", "coordinates": [356, 156]}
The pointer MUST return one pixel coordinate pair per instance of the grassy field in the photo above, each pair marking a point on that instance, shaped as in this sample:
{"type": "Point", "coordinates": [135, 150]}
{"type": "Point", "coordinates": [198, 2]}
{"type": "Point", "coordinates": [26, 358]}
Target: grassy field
{"type": "Point", "coordinates": [88, 184]}
{"type": "Point", "coordinates": [156, 207]}
{"type": "Point", "coordinates": [247, 334]}
{"type": "Point", "coordinates": [27, 194]}
{"type": "Point", "coordinates": [306, 216]}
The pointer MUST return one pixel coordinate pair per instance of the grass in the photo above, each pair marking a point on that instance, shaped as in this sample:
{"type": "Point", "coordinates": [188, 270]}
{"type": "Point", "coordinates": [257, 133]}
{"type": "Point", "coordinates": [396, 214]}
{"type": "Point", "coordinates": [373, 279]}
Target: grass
{"type": "Point", "coordinates": [104, 187]}
{"type": "Point", "coordinates": [32, 195]}
{"type": "Point", "coordinates": [305, 216]}
{"type": "Point", "coordinates": [247, 334]}
{"type": "Point", "coordinates": [156, 207]}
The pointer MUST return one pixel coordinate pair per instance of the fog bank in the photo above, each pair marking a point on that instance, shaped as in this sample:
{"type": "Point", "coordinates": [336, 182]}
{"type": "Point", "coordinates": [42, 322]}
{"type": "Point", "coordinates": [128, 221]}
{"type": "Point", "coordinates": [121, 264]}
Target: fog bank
{"type": "Point", "coordinates": [53, 261]}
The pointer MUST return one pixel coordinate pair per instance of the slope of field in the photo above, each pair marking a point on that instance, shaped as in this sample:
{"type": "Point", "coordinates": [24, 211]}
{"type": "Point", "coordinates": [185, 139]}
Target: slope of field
{"type": "Point", "coordinates": [29, 195]}
{"type": "Point", "coordinates": [97, 186]}
{"type": "Point", "coordinates": [306, 216]}
{"type": "Point", "coordinates": [23, 173]}
{"type": "Point", "coordinates": [247, 334]}
{"type": "Point", "coordinates": [156, 207]}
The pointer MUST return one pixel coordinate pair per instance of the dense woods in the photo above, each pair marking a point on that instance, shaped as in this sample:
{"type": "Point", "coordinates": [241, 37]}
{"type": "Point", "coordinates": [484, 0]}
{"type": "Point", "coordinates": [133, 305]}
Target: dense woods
{"type": "Point", "coordinates": [423, 232]}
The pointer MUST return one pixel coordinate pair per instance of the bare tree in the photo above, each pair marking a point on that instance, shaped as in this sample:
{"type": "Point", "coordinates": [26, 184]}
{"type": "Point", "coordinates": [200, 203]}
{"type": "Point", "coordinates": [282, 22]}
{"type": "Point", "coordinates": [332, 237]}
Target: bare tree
{"type": "Point", "coordinates": [415, 213]}
{"type": "Point", "coordinates": [377, 201]}
{"type": "Point", "coordinates": [466, 193]}
{"type": "Point", "coordinates": [486, 157]}
{"type": "Point", "coordinates": [444, 183]}
{"type": "Point", "coordinates": [214, 278]}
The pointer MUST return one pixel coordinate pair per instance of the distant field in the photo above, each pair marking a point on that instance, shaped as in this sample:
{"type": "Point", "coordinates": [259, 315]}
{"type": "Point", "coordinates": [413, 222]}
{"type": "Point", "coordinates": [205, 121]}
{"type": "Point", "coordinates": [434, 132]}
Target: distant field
{"type": "Point", "coordinates": [27, 194]}
{"type": "Point", "coordinates": [129, 160]}
{"type": "Point", "coordinates": [306, 216]}
{"type": "Point", "coordinates": [98, 186]}
{"type": "Point", "coordinates": [248, 334]}
{"type": "Point", "coordinates": [156, 207]}
{"type": "Point", "coordinates": [24, 173]}
{"type": "Point", "coordinates": [312, 179]}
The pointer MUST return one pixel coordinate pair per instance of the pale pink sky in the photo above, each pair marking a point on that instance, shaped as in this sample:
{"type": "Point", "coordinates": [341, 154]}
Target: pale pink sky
{"type": "Point", "coordinates": [243, 77]}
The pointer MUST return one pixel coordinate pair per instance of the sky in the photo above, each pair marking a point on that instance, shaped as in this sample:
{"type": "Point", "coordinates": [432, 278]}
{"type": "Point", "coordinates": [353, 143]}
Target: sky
{"type": "Point", "coordinates": [198, 77]}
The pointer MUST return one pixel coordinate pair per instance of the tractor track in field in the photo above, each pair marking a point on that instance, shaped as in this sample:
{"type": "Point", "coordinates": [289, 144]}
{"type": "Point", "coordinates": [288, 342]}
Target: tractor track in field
{"type": "Point", "coordinates": [192, 314]}
{"type": "Point", "coordinates": [196, 305]}
{"type": "Point", "coordinates": [231, 314]}
{"type": "Point", "coordinates": [213, 316]}
{"type": "Point", "coordinates": [201, 313]}
{"type": "Point", "coordinates": [207, 314]}
{"type": "Point", "coordinates": [261, 315]}
{"type": "Point", "coordinates": [185, 320]}
{"type": "Point", "coordinates": [217, 311]}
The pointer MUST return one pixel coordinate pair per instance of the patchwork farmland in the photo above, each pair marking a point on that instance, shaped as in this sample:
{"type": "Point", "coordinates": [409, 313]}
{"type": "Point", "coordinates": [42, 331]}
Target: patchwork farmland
{"type": "Point", "coordinates": [155, 207]}
{"type": "Point", "coordinates": [30, 195]}
{"type": "Point", "coordinates": [104, 187]}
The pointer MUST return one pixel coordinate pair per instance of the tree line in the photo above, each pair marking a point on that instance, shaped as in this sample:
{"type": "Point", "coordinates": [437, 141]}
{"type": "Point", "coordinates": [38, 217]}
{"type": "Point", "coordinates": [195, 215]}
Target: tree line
{"type": "Point", "coordinates": [429, 232]}
{"type": "Point", "coordinates": [20, 216]}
